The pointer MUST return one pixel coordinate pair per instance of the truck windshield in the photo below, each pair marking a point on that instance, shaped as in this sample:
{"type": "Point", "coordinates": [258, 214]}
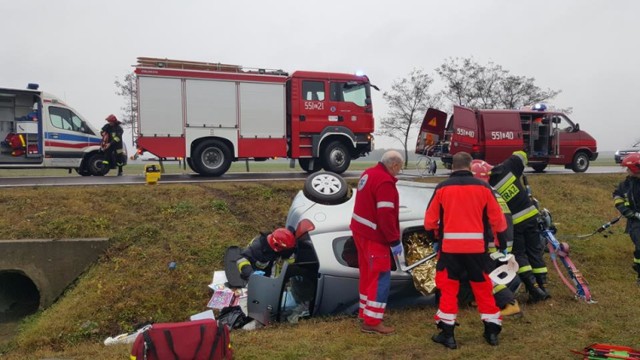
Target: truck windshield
{"type": "Point", "coordinates": [356, 93]}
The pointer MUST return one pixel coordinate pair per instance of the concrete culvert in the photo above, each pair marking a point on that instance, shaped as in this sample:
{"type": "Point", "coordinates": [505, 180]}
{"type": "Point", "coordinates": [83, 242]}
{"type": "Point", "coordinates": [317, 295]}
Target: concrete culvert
{"type": "Point", "coordinates": [19, 296]}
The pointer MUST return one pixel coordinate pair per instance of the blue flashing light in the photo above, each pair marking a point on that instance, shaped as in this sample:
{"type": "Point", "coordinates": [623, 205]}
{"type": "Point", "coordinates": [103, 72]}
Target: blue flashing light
{"type": "Point", "coordinates": [359, 73]}
{"type": "Point", "coordinates": [32, 86]}
{"type": "Point", "coordinates": [540, 107]}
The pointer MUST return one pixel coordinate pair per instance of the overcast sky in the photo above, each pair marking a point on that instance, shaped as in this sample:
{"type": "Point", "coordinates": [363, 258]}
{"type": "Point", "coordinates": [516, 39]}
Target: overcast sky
{"type": "Point", "coordinates": [589, 49]}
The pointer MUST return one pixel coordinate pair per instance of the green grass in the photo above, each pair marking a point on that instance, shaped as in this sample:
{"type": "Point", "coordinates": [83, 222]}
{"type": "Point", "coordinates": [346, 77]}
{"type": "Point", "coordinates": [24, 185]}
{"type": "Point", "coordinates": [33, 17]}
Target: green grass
{"type": "Point", "coordinates": [150, 226]}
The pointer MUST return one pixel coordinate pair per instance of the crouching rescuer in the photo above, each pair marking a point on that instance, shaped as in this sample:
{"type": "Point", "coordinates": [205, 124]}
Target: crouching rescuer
{"type": "Point", "coordinates": [457, 218]}
{"type": "Point", "coordinates": [262, 252]}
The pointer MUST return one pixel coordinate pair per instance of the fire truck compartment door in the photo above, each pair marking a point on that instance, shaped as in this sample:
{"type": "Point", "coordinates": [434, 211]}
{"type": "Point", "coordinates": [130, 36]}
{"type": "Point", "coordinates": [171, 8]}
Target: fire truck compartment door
{"type": "Point", "coordinates": [465, 130]}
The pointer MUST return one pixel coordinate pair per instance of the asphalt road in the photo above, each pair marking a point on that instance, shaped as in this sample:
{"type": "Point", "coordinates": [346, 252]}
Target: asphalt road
{"type": "Point", "coordinates": [408, 174]}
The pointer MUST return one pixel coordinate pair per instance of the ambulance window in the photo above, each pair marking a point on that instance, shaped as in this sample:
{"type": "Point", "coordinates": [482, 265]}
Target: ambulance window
{"type": "Point", "coordinates": [65, 119]}
{"type": "Point", "coordinates": [349, 92]}
{"type": "Point", "coordinates": [313, 90]}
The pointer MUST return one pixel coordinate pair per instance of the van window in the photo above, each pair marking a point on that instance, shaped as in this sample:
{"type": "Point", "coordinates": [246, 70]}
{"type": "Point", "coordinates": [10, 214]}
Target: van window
{"type": "Point", "coordinates": [65, 119]}
{"type": "Point", "coordinates": [562, 123]}
{"type": "Point", "coordinates": [313, 90]}
{"type": "Point", "coordinates": [348, 92]}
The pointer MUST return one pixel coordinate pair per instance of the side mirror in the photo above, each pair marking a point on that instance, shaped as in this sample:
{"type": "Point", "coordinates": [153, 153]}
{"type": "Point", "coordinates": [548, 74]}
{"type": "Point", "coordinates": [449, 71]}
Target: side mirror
{"type": "Point", "coordinates": [577, 127]}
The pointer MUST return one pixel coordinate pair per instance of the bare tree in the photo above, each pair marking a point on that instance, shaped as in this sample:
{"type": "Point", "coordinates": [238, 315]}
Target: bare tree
{"type": "Point", "coordinates": [127, 88]}
{"type": "Point", "coordinates": [490, 86]}
{"type": "Point", "coordinates": [408, 101]}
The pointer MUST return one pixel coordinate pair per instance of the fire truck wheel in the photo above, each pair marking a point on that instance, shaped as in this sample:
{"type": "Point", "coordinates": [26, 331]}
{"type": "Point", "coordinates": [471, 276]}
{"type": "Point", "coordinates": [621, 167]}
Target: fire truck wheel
{"type": "Point", "coordinates": [212, 158]}
{"type": "Point", "coordinates": [336, 157]}
{"type": "Point", "coordinates": [190, 163]}
{"type": "Point", "coordinates": [326, 188]}
{"type": "Point", "coordinates": [580, 162]}
{"type": "Point", "coordinates": [95, 166]}
{"type": "Point", "coordinates": [305, 164]}
{"type": "Point", "coordinates": [83, 171]}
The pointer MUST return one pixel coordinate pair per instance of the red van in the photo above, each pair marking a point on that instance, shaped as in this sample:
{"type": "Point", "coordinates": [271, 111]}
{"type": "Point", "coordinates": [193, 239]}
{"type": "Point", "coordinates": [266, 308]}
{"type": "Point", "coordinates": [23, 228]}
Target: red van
{"type": "Point", "coordinates": [548, 137]}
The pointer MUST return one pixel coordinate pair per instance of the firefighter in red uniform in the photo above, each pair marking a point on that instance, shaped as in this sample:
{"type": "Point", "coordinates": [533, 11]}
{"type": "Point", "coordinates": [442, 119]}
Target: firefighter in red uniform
{"type": "Point", "coordinates": [459, 213]}
{"type": "Point", "coordinates": [527, 247]}
{"type": "Point", "coordinates": [626, 198]}
{"type": "Point", "coordinates": [375, 227]}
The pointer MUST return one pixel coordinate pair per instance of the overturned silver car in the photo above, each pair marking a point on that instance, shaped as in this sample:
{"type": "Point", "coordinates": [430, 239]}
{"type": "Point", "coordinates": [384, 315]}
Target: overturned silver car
{"type": "Point", "coordinates": [323, 279]}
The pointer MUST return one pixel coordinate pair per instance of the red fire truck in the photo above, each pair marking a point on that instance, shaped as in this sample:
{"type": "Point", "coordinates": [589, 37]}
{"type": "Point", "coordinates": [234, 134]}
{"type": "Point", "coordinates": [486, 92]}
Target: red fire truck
{"type": "Point", "coordinates": [212, 114]}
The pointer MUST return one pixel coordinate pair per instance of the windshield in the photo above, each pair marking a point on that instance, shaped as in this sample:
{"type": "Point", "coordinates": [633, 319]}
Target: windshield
{"type": "Point", "coordinates": [356, 93]}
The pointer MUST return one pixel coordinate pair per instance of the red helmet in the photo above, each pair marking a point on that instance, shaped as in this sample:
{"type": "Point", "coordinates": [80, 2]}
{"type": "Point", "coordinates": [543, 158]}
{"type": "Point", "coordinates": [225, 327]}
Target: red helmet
{"type": "Point", "coordinates": [632, 162]}
{"type": "Point", "coordinates": [481, 169]}
{"type": "Point", "coordinates": [111, 118]}
{"type": "Point", "coordinates": [281, 239]}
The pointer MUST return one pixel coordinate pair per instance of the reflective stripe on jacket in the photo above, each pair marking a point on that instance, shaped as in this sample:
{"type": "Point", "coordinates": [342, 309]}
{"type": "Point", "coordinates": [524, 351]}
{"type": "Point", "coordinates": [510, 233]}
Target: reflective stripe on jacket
{"type": "Point", "coordinates": [505, 178]}
{"type": "Point", "coordinates": [376, 209]}
{"type": "Point", "coordinates": [461, 209]}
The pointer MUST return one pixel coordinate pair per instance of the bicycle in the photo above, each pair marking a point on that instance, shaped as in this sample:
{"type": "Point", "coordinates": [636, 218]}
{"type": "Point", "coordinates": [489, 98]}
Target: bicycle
{"type": "Point", "coordinates": [426, 164]}
{"type": "Point", "coordinates": [559, 252]}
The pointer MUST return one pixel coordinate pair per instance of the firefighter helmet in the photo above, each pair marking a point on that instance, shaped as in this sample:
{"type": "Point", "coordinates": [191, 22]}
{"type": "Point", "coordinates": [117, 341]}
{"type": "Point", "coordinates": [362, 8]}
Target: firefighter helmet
{"type": "Point", "coordinates": [281, 239]}
{"type": "Point", "coordinates": [632, 162]}
{"type": "Point", "coordinates": [112, 118]}
{"type": "Point", "coordinates": [481, 169]}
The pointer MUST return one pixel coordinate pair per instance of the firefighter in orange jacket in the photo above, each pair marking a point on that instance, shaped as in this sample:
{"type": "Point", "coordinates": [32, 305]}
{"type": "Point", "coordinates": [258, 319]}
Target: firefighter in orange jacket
{"type": "Point", "coordinates": [527, 247]}
{"type": "Point", "coordinates": [375, 227]}
{"type": "Point", "coordinates": [461, 209]}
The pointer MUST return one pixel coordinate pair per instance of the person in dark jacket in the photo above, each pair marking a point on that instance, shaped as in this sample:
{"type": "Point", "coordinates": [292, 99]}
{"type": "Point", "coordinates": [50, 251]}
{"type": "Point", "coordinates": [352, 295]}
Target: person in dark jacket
{"type": "Point", "coordinates": [626, 198]}
{"type": "Point", "coordinates": [527, 246]}
{"type": "Point", "coordinates": [264, 250]}
{"type": "Point", "coordinates": [112, 144]}
{"type": "Point", "coordinates": [457, 218]}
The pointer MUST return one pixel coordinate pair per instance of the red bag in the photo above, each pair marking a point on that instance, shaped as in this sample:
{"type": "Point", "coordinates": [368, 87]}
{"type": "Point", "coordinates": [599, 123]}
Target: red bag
{"type": "Point", "coordinates": [192, 340]}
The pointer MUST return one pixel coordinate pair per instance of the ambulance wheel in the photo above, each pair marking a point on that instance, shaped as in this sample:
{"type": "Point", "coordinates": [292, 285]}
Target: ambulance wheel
{"type": "Point", "coordinates": [539, 167]}
{"type": "Point", "coordinates": [336, 157]}
{"type": "Point", "coordinates": [305, 164]}
{"type": "Point", "coordinates": [95, 166]}
{"type": "Point", "coordinates": [212, 158]}
{"type": "Point", "coordinates": [580, 162]}
{"type": "Point", "coordinates": [326, 188]}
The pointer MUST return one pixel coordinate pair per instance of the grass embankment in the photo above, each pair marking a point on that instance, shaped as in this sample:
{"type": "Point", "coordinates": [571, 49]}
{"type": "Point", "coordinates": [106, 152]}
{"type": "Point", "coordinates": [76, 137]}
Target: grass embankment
{"type": "Point", "coordinates": [192, 225]}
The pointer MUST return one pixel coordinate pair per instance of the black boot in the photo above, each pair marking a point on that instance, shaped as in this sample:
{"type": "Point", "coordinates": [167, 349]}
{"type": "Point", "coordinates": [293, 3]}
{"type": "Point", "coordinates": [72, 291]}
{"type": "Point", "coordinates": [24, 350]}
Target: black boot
{"type": "Point", "coordinates": [445, 337]}
{"type": "Point", "coordinates": [491, 332]}
{"type": "Point", "coordinates": [541, 279]}
{"type": "Point", "coordinates": [119, 170]}
{"type": "Point", "coordinates": [535, 293]}
{"type": "Point", "coordinates": [636, 267]}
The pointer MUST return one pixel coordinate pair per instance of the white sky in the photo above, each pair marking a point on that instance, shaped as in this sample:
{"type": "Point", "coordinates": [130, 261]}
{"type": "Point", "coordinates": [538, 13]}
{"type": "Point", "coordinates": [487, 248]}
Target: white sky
{"type": "Point", "coordinates": [589, 49]}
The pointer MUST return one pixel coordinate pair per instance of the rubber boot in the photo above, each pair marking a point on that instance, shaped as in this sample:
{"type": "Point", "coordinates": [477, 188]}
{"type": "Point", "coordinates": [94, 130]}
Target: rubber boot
{"type": "Point", "coordinates": [512, 309]}
{"type": "Point", "coordinates": [119, 170]}
{"type": "Point", "coordinates": [445, 337]}
{"type": "Point", "coordinates": [636, 267]}
{"type": "Point", "coordinates": [535, 293]}
{"type": "Point", "coordinates": [541, 279]}
{"type": "Point", "coordinates": [491, 332]}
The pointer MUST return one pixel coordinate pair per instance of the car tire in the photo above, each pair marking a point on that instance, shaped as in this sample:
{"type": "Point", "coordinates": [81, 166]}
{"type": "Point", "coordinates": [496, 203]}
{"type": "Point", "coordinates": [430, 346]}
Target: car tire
{"type": "Point", "coordinates": [580, 162]}
{"type": "Point", "coordinates": [326, 188]}
{"type": "Point", "coordinates": [539, 167]}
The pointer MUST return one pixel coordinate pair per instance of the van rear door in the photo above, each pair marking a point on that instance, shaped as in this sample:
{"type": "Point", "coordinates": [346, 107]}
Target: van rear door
{"type": "Point", "coordinates": [431, 131]}
{"type": "Point", "coordinates": [465, 132]}
{"type": "Point", "coordinates": [503, 134]}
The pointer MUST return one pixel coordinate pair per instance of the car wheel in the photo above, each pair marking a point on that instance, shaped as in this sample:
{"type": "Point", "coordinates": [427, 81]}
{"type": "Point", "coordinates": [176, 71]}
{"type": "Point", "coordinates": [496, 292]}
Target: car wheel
{"type": "Point", "coordinates": [305, 164]}
{"type": "Point", "coordinates": [326, 188]}
{"type": "Point", "coordinates": [95, 166]}
{"type": "Point", "coordinates": [212, 158]}
{"type": "Point", "coordinates": [539, 167]}
{"type": "Point", "coordinates": [336, 157]}
{"type": "Point", "coordinates": [580, 162]}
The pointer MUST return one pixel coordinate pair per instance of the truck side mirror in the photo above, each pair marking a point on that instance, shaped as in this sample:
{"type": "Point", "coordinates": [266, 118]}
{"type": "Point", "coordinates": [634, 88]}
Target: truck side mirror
{"type": "Point", "coordinates": [576, 128]}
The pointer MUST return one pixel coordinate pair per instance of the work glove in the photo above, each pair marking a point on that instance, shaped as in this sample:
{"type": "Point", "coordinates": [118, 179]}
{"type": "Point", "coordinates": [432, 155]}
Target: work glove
{"type": "Point", "coordinates": [436, 246]}
{"type": "Point", "coordinates": [396, 250]}
{"type": "Point", "coordinates": [259, 272]}
{"type": "Point", "coordinates": [499, 255]}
